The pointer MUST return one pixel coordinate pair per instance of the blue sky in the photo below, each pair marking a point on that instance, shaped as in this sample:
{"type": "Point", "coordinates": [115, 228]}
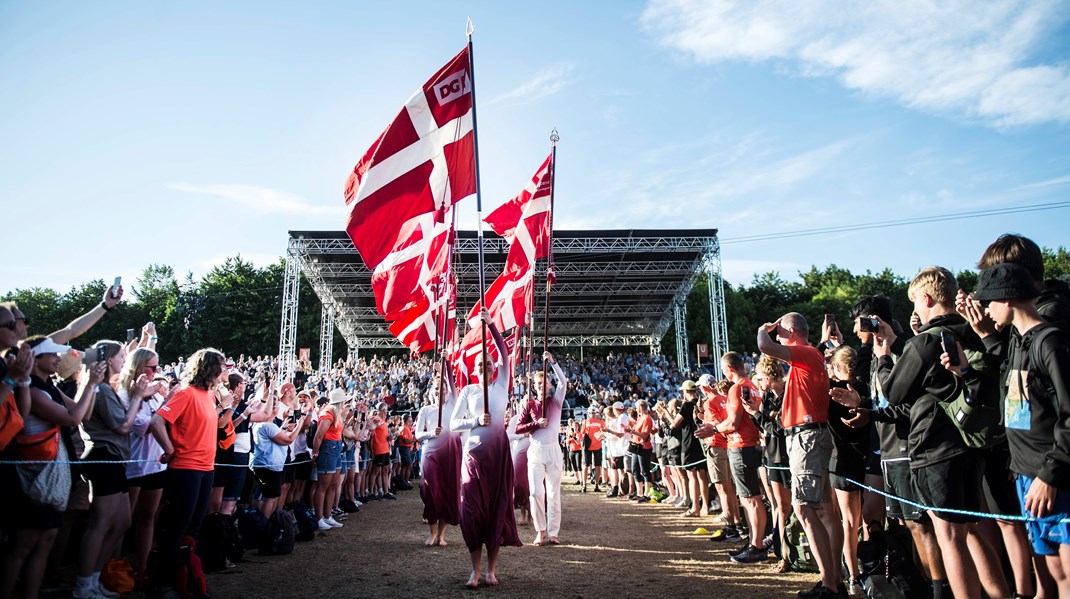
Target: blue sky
{"type": "Point", "coordinates": [182, 133]}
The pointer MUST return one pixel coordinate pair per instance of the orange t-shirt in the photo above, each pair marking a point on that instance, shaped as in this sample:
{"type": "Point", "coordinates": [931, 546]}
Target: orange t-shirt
{"type": "Point", "coordinates": [406, 438]}
{"type": "Point", "coordinates": [715, 412]}
{"type": "Point", "coordinates": [644, 425]}
{"type": "Point", "coordinates": [574, 443]}
{"type": "Point", "coordinates": [380, 445]}
{"type": "Point", "coordinates": [334, 433]}
{"type": "Point", "coordinates": [593, 427]}
{"type": "Point", "coordinates": [746, 431]}
{"type": "Point", "coordinates": [806, 394]}
{"type": "Point", "coordinates": [194, 422]}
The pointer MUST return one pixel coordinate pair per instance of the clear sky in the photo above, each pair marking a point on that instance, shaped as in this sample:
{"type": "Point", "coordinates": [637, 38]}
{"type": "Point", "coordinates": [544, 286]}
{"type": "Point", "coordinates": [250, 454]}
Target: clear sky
{"type": "Point", "coordinates": [184, 132]}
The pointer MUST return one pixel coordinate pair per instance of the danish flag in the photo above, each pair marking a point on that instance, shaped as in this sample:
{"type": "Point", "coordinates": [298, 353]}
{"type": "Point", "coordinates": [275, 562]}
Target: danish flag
{"type": "Point", "coordinates": [524, 222]}
{"type": "Point", "coordinates": [400, 191]}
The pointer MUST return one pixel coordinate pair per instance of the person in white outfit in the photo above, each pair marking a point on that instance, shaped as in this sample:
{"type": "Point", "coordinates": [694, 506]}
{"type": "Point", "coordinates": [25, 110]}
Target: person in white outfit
{"type": "Point", "coordinates": [541, 418]}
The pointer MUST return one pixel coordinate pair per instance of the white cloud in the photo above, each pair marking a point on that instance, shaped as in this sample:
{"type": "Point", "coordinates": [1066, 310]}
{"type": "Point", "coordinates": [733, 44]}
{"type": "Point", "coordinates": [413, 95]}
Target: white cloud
{"type": "Point", "coordinates": [972, 59]}
{"type": "Point", "coordinates": [543, 84]}
{"type": "Point", "coordinates": [1044, 184]}
{"type": "Point", "coordinates": [260, 199]}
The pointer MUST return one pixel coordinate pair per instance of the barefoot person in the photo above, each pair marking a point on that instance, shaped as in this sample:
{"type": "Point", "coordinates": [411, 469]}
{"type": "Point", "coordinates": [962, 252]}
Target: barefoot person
{"type": "Point", "coordinates": [440, 461]}
{"type": "Point", "coordinates": [541, 418]}
{"type": "Point", "coordinates": [519, 444]}
{"type": "Point", "coordinates": [487, 517]}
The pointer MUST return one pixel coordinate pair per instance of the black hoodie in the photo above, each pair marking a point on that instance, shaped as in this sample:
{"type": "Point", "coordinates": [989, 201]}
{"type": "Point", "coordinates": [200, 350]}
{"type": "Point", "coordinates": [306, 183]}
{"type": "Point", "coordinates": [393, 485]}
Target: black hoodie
{"type": "Point", "coordinates": [919, 381]}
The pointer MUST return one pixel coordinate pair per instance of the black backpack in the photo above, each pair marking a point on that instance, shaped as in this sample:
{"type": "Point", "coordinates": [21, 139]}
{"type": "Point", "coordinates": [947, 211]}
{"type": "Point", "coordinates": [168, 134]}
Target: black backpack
{"type": "Point", "coordinates": [252, 527]}
{"type": "Point", "coordinates": [281, 533]}
{"type": "Point", "coordinates": [307, 525]}
{"type": "Point", "coordinates": [220, 541]}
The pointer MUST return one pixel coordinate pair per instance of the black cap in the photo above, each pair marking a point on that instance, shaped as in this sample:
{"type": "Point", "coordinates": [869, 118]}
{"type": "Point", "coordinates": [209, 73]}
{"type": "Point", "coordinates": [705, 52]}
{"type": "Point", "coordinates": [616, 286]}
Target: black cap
{"type": "Point", "coordinates": [322, 401]}
{"type": "Point", "coordinates": [1005, 282]}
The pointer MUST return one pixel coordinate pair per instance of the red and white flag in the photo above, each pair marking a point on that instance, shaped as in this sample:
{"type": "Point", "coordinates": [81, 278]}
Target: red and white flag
{"type": "Point", "coordinates": [418, 326]}
{"type": "Point", "coordinates": [422, 163]}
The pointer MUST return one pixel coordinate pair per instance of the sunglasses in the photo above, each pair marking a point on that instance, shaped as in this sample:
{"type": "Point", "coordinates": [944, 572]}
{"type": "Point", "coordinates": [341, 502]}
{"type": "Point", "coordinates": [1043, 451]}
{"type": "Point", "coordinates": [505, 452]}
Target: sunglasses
{"type": "Point", "coordinates": [152, 367]}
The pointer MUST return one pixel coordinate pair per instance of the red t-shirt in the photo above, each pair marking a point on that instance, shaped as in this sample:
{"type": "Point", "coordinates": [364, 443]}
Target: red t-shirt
{"type": "Point", "coordinates": [194, 422]}
{"type": "Point", "coordinates": [715, 412]}
{"type": "Point", "coordinates": [334, 433]}
{"type": "Point", "coordinates": [593, 427]}
{"type": "Point", "coordinates": [574, 443]}
{"type": "Point", "coordinates": [644, 425]}
{"type": "Point", "coordinates": [405, 438]}
{"type": "Point", "coordinates": [745, 433]}
{"type": "Point", "coordinates": [380, 445]}
{"type": "Point", "coordinates": [806, 394]}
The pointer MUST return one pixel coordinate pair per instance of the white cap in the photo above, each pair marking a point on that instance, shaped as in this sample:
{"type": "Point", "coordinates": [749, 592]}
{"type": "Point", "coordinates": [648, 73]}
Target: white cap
{"type": "Point", "coordinates": [48, 346]}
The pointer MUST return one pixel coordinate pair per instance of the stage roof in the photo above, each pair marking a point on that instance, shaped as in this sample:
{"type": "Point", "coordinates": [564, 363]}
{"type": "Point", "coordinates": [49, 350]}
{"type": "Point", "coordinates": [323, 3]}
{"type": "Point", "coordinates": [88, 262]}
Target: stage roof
{"type": "Point", "coordinates": [613, 287]}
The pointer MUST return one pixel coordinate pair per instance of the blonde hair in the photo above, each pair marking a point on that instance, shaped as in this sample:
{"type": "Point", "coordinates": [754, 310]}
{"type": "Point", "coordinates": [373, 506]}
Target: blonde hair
{"type": "Point", "coordinates": [135, 363]}
{"type": "Point", "coordinates": [844, 357]}
{"type": "Point", "coordinates": [937, 282]}
{"type": "Point", "coordinates": [722, 386]}
{"type": "Point", "coordinates": [770, 367]}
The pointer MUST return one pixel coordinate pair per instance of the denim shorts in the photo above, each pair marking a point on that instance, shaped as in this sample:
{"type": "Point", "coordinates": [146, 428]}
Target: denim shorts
{"type": "Point", "coordinates": [330, 457]}
{"type": "Point", "coordinates": [1047, 533]}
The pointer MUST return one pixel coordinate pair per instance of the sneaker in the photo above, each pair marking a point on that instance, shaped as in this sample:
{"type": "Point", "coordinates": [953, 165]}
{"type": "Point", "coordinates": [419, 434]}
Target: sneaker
{"type": "Point", "coordinates": [597, 489]}
{"type": "Point", "coordinates": [583, 489]}
{"type": "Point", "coordinates": [820, 591]}
{"type": "Point", "coordinates": [728, 533]}
{"type": "Point", "coordinates": [738, 552]}
{"type": "Point", "coordinates": [103, 592]}
{"type": "Point", "coordinates": [390, 496]}
{"type": "Point", "coordinates": [337, 512]}
{"type": "Point", "coordinates": [767, 542]}
{"type": "Point", "coordinates": [611, 494]}
{"type": "Point", "coordinates": [333, 523]}
{"type": "Point", "coordinates": [855, 589]}
{"type": "Point", "coordinates": [322, 525]}
{"type": "Point", "coordinates": [633, 497]}
{"type": "Point", "coordinates": [751, 555]}
{"type": "Point", "coordinates": [715, 506]}
{"type": "Point", "coordinates": [642, 499]}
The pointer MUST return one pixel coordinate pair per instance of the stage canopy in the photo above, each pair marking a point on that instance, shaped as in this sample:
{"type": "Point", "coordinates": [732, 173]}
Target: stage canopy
{"type": "Point", "coordinates": [613, 287]}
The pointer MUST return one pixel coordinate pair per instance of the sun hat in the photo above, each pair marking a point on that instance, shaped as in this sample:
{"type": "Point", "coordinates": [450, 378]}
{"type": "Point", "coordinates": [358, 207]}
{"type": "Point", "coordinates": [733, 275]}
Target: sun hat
{"type": "Point", "coordinates": [688, 386]}
{"type": "Point", "coordinates": [337, 396]}
{"type": "Point", "coordinates": [1005, 282]}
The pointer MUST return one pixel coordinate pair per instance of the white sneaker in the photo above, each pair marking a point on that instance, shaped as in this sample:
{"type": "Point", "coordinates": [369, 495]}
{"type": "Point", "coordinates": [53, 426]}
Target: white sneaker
{"type": "Point", "coordinates": [103, 592]}
{"type": "Point", "coordinates": [86, 593]}
{"type": "Point", "coordinates": [332, 522]}
{"type": "Point", "coordinates": [358, 503]}
{"type": "Point", "coordinates": [323, 525]}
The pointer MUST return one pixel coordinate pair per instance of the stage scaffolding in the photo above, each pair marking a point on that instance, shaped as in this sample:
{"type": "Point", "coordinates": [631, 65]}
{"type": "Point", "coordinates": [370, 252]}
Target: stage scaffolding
{"type": "Point", "coordinates": [614, 288]}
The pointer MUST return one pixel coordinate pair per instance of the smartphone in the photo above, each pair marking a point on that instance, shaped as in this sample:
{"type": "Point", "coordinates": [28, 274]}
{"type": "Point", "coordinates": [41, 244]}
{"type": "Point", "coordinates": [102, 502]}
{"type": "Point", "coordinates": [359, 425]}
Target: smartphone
{"type": "Point", "coordinates": [115, 286]}
{"type": "Point", "coordinates": [947, 340]}
{"type": "Point", "coordinates": [830, 320]}
{"type": "Point", "coordinates": [101, 352]}
{"type": "Point", "coordinates": [868, 325]}
{"type": "Point", "coordinates": [130, 335]}
{"type": "Point", "coordinates": [744, 393]}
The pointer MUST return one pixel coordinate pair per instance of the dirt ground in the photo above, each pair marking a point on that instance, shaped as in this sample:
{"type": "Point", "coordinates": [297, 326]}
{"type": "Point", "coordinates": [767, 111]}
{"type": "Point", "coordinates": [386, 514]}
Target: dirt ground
{"type": "Point", "coordinates": [610, 548]}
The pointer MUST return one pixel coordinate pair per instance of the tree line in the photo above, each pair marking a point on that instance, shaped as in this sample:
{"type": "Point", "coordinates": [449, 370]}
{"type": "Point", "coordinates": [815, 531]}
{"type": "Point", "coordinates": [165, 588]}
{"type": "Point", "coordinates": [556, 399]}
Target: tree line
{"type": "Point", "coordinates": [237, 306]}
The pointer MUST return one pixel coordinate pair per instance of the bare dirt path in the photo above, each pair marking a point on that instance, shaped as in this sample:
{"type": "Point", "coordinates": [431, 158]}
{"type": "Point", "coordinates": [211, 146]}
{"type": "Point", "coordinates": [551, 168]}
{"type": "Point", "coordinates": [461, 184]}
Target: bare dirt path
{"type": "Point", "coordinates": [611, 548]}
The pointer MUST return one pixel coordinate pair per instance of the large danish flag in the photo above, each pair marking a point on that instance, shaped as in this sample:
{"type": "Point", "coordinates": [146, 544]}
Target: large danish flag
{"type": "Point", "coordinates": [423, 162]}
{"type": "Point", "coordinates": [524, 222]}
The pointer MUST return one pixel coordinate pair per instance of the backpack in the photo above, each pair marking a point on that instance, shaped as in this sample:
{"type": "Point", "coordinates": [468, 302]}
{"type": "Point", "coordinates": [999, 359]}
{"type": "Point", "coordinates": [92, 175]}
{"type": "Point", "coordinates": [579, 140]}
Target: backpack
{"type": "Point", "coordinates": [281, 534]}
{"type": "Point", "coordinates": [190, 580]}
{"type": "Point", "coordinates": [979, 423]}
{"type": "Point", "coordinates": [797, 552]}
{"type": "Point", "coordinates": [219, 542]}
{"type": "Point", "coordinates": [252, 527]}
{"type": "Point", "coordinates": [307, 525]}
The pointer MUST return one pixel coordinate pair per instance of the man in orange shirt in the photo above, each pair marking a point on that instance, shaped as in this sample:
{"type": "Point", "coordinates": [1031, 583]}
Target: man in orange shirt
{"type": "Point", "coordinates": [804, 416]}
{"type": "Point", "coordinates": [592, 440]}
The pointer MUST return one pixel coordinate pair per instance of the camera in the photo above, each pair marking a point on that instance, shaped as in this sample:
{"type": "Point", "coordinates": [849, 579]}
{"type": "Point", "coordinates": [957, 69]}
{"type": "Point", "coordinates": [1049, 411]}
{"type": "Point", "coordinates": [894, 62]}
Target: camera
{"type": "Point", "coordinates": [868, 325]}
{"type": "Point", "coordinates": [296, 415]}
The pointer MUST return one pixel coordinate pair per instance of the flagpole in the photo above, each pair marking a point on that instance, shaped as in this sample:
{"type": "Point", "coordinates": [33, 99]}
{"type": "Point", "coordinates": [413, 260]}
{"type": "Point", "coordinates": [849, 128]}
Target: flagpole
{"type": "Point", "coordinates": [554, 138]}
{"type": "Point", "coordinates": [440, 331]}
{"type": "Point", "coordinates": [479, 216]}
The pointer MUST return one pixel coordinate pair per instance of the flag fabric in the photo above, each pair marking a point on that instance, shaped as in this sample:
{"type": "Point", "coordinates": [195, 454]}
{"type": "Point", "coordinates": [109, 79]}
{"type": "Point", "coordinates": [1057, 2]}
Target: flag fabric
{"type": "Point", "coordinates": [423, 162]}
{"type": "Point", "coordinates": [524, 222]}
{"type": "Point", "coordinates": [405, 277]}
{"type": "Point", "coordinates": [417, 327]}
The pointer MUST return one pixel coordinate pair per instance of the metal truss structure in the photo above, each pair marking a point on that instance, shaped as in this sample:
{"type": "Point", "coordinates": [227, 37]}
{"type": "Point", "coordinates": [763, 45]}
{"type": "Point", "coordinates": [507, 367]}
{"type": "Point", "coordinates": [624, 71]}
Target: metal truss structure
{"type": "Point", "coordinates": [326, 337]}
{"type": "Point", "coordinates": [614, 288]}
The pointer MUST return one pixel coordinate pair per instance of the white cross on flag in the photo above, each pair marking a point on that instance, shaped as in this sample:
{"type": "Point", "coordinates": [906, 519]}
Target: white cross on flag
{"type": "Point", "coordinates": [423, 162]}
{"type": "Point", "coordinates": [524, 222]}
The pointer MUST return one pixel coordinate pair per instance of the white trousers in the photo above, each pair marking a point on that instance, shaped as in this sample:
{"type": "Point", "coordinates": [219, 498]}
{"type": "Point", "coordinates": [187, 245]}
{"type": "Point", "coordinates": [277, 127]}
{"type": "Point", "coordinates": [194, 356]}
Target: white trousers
{"type": "Point", "coordinates": [544, 482]}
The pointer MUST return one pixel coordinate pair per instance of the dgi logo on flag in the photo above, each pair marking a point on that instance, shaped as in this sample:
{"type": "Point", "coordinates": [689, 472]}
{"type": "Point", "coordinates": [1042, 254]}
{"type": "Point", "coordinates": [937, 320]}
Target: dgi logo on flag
{"type": "Point", "coordinates": [453, 87]}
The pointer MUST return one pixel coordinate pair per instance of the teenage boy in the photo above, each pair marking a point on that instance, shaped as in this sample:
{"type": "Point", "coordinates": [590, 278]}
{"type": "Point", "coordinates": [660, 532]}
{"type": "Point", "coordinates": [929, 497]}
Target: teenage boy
{"type": "Point", "coordinates": [945, 473]}
{"type": "Point", "coordinates": [1036, 393]}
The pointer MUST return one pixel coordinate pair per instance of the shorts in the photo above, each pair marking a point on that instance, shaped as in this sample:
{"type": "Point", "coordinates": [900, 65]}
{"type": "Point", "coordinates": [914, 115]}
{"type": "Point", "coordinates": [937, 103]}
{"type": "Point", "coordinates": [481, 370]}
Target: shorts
{"type": "Point", "coordinates": [897, 483]}
{"type": "Point", "coordinates": [1046, 534]}
{"type": "Point", "coordinates": [406, 455]}
{"type": "Point", "coordinates": [349, 459]}
{"type": "Point", "coordinates": [149, 482]}
{"type": "Point", "coordinates": [777, 473]}
{"type": "Point", "coordinates": [717, 464]}
{"type": "Point", "coordinates": [593, 457]}
{"type": "Point", "coordinates": [302, 467]}
{"type": "Point", "coordinates": [270, 482]}
{"type": "Point", "coordinates": [330, 457]}
{"type": "Point", "coordinates": [231, 478]}
{"type": "Point", "coordinates": [847, 466]}
{"type": "Point", "coordinates": [382, 459]}
{"type": "Point", "coordinates": [873, 463]}
{"type": "Point", "coordinates": [1000, 485]}
{"type": "Point", "coordinates": [745, 462]}
{"type": "Point", "coordinates": [808, 458]}
{"type": "Point", "coordinates": [616, 462]}
{"type": "Point", "coordinates": [104, 479]}
{"type": "Point", "coordinates": [954, 483]}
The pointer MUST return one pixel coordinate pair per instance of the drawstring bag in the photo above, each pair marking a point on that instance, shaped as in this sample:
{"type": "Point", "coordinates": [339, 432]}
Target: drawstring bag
{"type": "Point", "coordinates": [38, 447]}
{"type": "Point", "coordinates": [47, 484]}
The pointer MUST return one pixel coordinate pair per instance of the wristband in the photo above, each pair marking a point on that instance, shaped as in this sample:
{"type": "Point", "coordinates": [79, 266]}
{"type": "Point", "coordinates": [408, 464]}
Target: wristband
{"type": "Point", "coordinates": [9, 382]}
{"type": "Point", "coordinates": [105, 306]}
{"type": "Point", "coordinates": [152, 338]}
{"type": "Point", "coordinates": [964, 370]}
{"type": "Point", "coordinates": [23, 383]}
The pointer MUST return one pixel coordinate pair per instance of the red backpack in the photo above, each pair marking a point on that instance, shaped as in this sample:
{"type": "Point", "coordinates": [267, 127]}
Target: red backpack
{"type": "Point", "coordinates": [190, 580]}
